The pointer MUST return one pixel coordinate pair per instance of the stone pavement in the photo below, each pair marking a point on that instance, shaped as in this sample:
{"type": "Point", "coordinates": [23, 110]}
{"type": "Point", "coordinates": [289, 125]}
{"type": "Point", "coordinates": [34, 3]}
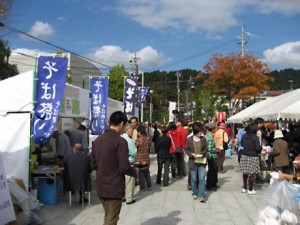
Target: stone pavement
{"type": "Point", "coordinates": [171, 205]}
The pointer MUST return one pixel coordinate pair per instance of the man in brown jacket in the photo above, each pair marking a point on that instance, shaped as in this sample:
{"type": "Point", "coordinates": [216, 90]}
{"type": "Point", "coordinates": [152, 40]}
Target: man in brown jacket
{"type": "Point", "coordinates": [110, 159]}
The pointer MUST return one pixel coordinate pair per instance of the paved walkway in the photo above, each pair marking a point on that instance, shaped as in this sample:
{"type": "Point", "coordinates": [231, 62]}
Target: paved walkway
{"type": "Point", "coordinates": [172, 205]}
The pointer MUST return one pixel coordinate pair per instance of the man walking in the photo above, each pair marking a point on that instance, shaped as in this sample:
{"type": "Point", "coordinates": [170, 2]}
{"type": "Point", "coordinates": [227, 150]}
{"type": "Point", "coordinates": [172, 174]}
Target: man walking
{"type": "Point", "coordinates": [110, 159]}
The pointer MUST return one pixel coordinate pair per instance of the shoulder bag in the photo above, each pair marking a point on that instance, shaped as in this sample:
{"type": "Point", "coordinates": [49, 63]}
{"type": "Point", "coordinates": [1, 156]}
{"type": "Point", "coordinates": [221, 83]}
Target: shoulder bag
{"type": "Point", "coordinates": [177, 150]}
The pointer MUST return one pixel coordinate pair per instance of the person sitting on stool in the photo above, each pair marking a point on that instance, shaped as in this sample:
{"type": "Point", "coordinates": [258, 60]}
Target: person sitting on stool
{"type": "Point", "coordinates": [78, 170]}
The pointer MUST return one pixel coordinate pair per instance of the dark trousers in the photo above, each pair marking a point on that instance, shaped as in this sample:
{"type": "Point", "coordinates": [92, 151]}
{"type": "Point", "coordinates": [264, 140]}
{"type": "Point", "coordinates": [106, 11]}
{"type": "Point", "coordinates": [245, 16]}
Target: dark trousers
{"type": "Point", "coordinates": [173, 165]}
{"type": "Point", "coordinates": [112, 209]}
{"type": "Point", "coordinates": [221, 159]}
{"type": "Point", "coordinates": [181, 169]}
{"type": "Point", "coordinates": [160, 164]}
{"type": "Point", "coordinates": [212, 173]}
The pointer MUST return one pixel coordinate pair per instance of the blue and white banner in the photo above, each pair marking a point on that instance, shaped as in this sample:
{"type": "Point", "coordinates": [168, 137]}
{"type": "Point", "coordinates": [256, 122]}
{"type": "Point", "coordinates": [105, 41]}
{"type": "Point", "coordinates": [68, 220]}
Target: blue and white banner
{"type": "Point", "coordinates": [143, 92]}
{"type": "Point", "coordinates": [129, 95]}
{"type": "Point", "coordinates": [50, 89]}
{"type": "Point", "coordinates": [99, 93]}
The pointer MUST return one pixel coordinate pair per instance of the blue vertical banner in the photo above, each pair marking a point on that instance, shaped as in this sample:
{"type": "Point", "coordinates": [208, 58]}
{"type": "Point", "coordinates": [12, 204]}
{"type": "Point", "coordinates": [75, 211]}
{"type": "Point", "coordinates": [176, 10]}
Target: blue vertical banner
{"type": "Point", "coordinates": [50, 89]}
{"type": "Point", "coordinates": [143, 92]}
{"type": "Point", "coordinates": [130, 87]}
{"type": "Point", "coordinates": [99, 93]}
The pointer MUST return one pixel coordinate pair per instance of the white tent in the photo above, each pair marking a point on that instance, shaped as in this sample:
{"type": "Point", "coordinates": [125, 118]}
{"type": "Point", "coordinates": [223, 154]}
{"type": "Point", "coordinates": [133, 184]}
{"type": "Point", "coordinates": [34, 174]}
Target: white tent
{"type": "Point", "coordinates": [16, 98]}
{"type": "Point", "coordinates": [285, 107]}
{"type": "Point", "coordinates": [245, 114]}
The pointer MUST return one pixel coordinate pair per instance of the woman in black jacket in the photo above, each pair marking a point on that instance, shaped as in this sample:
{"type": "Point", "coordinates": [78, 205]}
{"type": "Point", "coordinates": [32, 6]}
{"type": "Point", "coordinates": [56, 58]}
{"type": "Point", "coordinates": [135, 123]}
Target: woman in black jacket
{"type": "Point", "coordinates": [249, 164]}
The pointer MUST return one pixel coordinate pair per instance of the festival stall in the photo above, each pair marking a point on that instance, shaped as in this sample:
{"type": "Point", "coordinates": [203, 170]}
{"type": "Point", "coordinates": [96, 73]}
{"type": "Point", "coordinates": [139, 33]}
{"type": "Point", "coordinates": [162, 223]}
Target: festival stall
{"type": "Point", "coordinates": [284, 107]}
{"type": "Point", "coordinates": [16, 97]}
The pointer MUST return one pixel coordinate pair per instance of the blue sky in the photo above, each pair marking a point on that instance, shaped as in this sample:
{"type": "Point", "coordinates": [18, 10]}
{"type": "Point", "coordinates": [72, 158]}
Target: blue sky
{"type": "Point", "coordinates": [165, 34]}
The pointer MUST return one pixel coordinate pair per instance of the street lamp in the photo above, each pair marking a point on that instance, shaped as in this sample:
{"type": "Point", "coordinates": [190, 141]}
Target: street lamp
{"type": "Point", "coordinates": [151, 106]}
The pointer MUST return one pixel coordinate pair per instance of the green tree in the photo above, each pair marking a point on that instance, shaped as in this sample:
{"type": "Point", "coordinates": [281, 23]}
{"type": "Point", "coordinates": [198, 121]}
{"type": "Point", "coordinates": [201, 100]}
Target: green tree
{"type": "Point", "coordinates": [116, 82]}
{"type": "Point", "coordinates": [6, 69]}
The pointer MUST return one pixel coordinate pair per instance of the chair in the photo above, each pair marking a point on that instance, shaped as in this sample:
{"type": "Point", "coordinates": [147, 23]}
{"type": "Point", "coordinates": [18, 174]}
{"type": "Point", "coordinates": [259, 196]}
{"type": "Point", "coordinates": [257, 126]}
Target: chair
{"type": "Point", "coordinates": [82, 198]}
{"type": "Point", "coordinates": [78, 178]}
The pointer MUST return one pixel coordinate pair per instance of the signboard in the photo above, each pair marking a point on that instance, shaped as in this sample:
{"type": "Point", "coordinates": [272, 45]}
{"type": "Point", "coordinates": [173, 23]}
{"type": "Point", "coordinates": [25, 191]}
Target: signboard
{"type": "Point", "coordinates": [7, 212]}
{"type": "Point", "coordinates": [220, 116]}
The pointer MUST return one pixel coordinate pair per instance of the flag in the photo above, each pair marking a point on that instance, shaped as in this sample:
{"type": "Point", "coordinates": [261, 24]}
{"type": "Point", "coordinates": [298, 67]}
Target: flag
{"type": "Point", "coordinates": [50, 89]}
{"type": "Point", "coordinates": [172, 107]}
{"type": "Point", "coordinates": [130, 86]}
{"type": "Point", "coordinates": [99, 93]}
{"type": "Point", "coordinates": [143, 92]}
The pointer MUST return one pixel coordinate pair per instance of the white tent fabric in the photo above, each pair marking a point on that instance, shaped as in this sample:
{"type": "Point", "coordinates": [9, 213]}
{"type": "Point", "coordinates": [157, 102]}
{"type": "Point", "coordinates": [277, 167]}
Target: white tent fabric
{"type": "Point", "coordinates": [245, 114]}
{"type": "Point", "coordinates": [14, 145]}
{"type": "Point", "coordinates": [16, 98]}
{"type": "Point", "coordinates": [285, 106]}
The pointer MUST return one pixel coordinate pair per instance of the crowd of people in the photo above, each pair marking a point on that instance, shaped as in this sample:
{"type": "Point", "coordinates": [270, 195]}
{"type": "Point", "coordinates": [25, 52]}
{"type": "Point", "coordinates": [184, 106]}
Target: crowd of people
{"type": "Point", "coordinates": [121, 156]}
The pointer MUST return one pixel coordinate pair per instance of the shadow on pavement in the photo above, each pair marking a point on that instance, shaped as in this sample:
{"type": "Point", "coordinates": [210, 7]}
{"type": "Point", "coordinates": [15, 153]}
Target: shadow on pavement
{"type": "Point", "coordinates": [168, 219]}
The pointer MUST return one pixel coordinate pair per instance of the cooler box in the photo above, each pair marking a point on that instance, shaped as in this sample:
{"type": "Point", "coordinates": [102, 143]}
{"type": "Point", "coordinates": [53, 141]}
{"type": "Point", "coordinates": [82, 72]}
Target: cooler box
{"type": "Point", "coordinates": [47, 193]}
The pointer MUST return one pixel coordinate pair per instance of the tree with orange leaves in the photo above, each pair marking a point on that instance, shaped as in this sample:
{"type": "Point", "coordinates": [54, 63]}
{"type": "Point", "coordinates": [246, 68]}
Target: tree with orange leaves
{"type": "Point", "coordinates": [236, 77]}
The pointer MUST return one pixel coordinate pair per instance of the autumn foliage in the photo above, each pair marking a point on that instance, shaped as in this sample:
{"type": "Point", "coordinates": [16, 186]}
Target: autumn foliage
{"type": "Point", "coordinates": [235, 76]}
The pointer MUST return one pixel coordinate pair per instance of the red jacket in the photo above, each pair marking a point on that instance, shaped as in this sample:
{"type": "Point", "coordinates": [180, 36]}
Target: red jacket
{"type": "Point", "coordinates": [183, 136]}
{"type": "Point", "coordinates": [175, 136]}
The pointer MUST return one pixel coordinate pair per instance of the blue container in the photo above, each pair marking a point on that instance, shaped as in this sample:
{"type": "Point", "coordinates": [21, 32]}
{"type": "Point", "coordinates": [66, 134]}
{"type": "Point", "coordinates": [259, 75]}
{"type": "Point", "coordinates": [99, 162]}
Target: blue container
{"type": "Point", "coordinates": [47, 194]}
{"type": "Point", "coordinates": [228, 152]}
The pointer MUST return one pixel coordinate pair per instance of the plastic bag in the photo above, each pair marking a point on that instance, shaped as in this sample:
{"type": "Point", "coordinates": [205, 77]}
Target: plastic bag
{"type": "Point", "coordinates": [29, 204]}
{"type": "Point", "coordinates": [279, 204]}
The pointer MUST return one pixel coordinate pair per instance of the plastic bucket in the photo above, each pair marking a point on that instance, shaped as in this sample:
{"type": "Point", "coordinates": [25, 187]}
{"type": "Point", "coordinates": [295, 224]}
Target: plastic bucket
{"type": "Point", "coordinates": [228, 152]}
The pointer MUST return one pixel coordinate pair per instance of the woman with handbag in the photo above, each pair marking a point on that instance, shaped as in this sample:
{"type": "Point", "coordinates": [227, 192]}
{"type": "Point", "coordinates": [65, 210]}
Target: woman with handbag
{"type": "Point", "coordinates": [196, 149]}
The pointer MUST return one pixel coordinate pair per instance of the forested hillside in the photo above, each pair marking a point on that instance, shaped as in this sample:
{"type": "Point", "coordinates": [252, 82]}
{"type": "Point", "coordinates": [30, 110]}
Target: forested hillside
{"type": "Point", "coordinates": [285, 79]}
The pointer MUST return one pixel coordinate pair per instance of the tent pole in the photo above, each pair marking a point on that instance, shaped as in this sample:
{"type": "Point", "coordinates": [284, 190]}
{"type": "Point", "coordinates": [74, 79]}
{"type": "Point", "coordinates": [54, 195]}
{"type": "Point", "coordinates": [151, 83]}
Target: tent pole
{"type": "Point", "coordinates": [31, 124]}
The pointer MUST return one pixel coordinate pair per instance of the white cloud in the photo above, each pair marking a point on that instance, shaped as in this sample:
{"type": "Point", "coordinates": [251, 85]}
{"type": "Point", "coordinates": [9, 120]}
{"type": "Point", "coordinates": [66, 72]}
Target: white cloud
{"type": "Point", "coordinates": [42, 30]}
{"type": "Point", "coordinates": [192, 15]}
{"type": "Point", "coordinates": [112, 55]}
{"type": "Point", "coordinates": [29, 52]}
{"type": "Point", "coordinates": [285, 7]}
{"type": "Point", "coordinates": [286, 55]}
{"type": "Point", "coordinates": [200, 15]}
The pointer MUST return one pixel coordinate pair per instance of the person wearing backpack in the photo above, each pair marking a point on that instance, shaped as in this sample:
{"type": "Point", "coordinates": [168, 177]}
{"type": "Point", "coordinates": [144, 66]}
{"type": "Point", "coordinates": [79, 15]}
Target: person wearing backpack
{"type": "Point", "coordinates": [221, 139]}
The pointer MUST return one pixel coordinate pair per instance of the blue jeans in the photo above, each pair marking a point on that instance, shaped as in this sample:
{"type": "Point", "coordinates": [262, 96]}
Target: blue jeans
{"type": "Point", "coordinates": [145, 179]}
{"type": "Point", "coordinates": [198, 170]}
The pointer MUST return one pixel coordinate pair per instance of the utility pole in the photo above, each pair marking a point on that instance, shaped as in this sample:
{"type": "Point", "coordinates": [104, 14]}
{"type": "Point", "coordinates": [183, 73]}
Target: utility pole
{"type": "Point", "coordinates": [242, 41]}
{"type": "Point", "coordinates": [134, 60]}
{"type": "Point", "coordinates": [178, 90]}
{"type": "Point", "coordinates": [291, 81]}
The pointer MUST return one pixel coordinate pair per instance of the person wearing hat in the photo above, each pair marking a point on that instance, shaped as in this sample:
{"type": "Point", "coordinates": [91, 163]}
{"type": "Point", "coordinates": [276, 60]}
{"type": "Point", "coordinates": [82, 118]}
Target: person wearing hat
{"type": "Point", "coordinates": [280, 152]}
{"type": "Point", "coordinates": [79, 135]}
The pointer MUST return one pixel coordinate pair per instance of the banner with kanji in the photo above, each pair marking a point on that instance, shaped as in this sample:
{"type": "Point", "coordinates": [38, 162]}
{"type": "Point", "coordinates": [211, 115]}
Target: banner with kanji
{"type": "Point", "coordinates": [130, 87]}
{"type": "Point", "coordinates": [50, 89]}
{"type": "Point", "coordinates": [99, 95]}
{"type": "Point", "coordinates": [143, 92]}
{"type": "Point", "coordinates": [220, 116]}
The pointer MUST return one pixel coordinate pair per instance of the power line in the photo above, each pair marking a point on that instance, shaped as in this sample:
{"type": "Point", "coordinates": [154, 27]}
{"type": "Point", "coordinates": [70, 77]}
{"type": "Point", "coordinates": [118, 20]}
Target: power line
{"type": "Point", "coordinates": [53, 45]}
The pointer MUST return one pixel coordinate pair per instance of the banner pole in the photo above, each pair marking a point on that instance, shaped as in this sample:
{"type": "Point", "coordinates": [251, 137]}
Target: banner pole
{"type": "Point", "coordinates": [31, 124]}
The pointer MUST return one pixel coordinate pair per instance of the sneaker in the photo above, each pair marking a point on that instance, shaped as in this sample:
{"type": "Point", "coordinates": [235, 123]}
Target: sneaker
{"type": "Point", "coordinates": [244, 190]}
{"type": "Point", "coordinates": [202, 200]}
{"type": "Point", "coordinates": [195, 197]}
{"type": "Point", "coordinates": [253, 192]}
